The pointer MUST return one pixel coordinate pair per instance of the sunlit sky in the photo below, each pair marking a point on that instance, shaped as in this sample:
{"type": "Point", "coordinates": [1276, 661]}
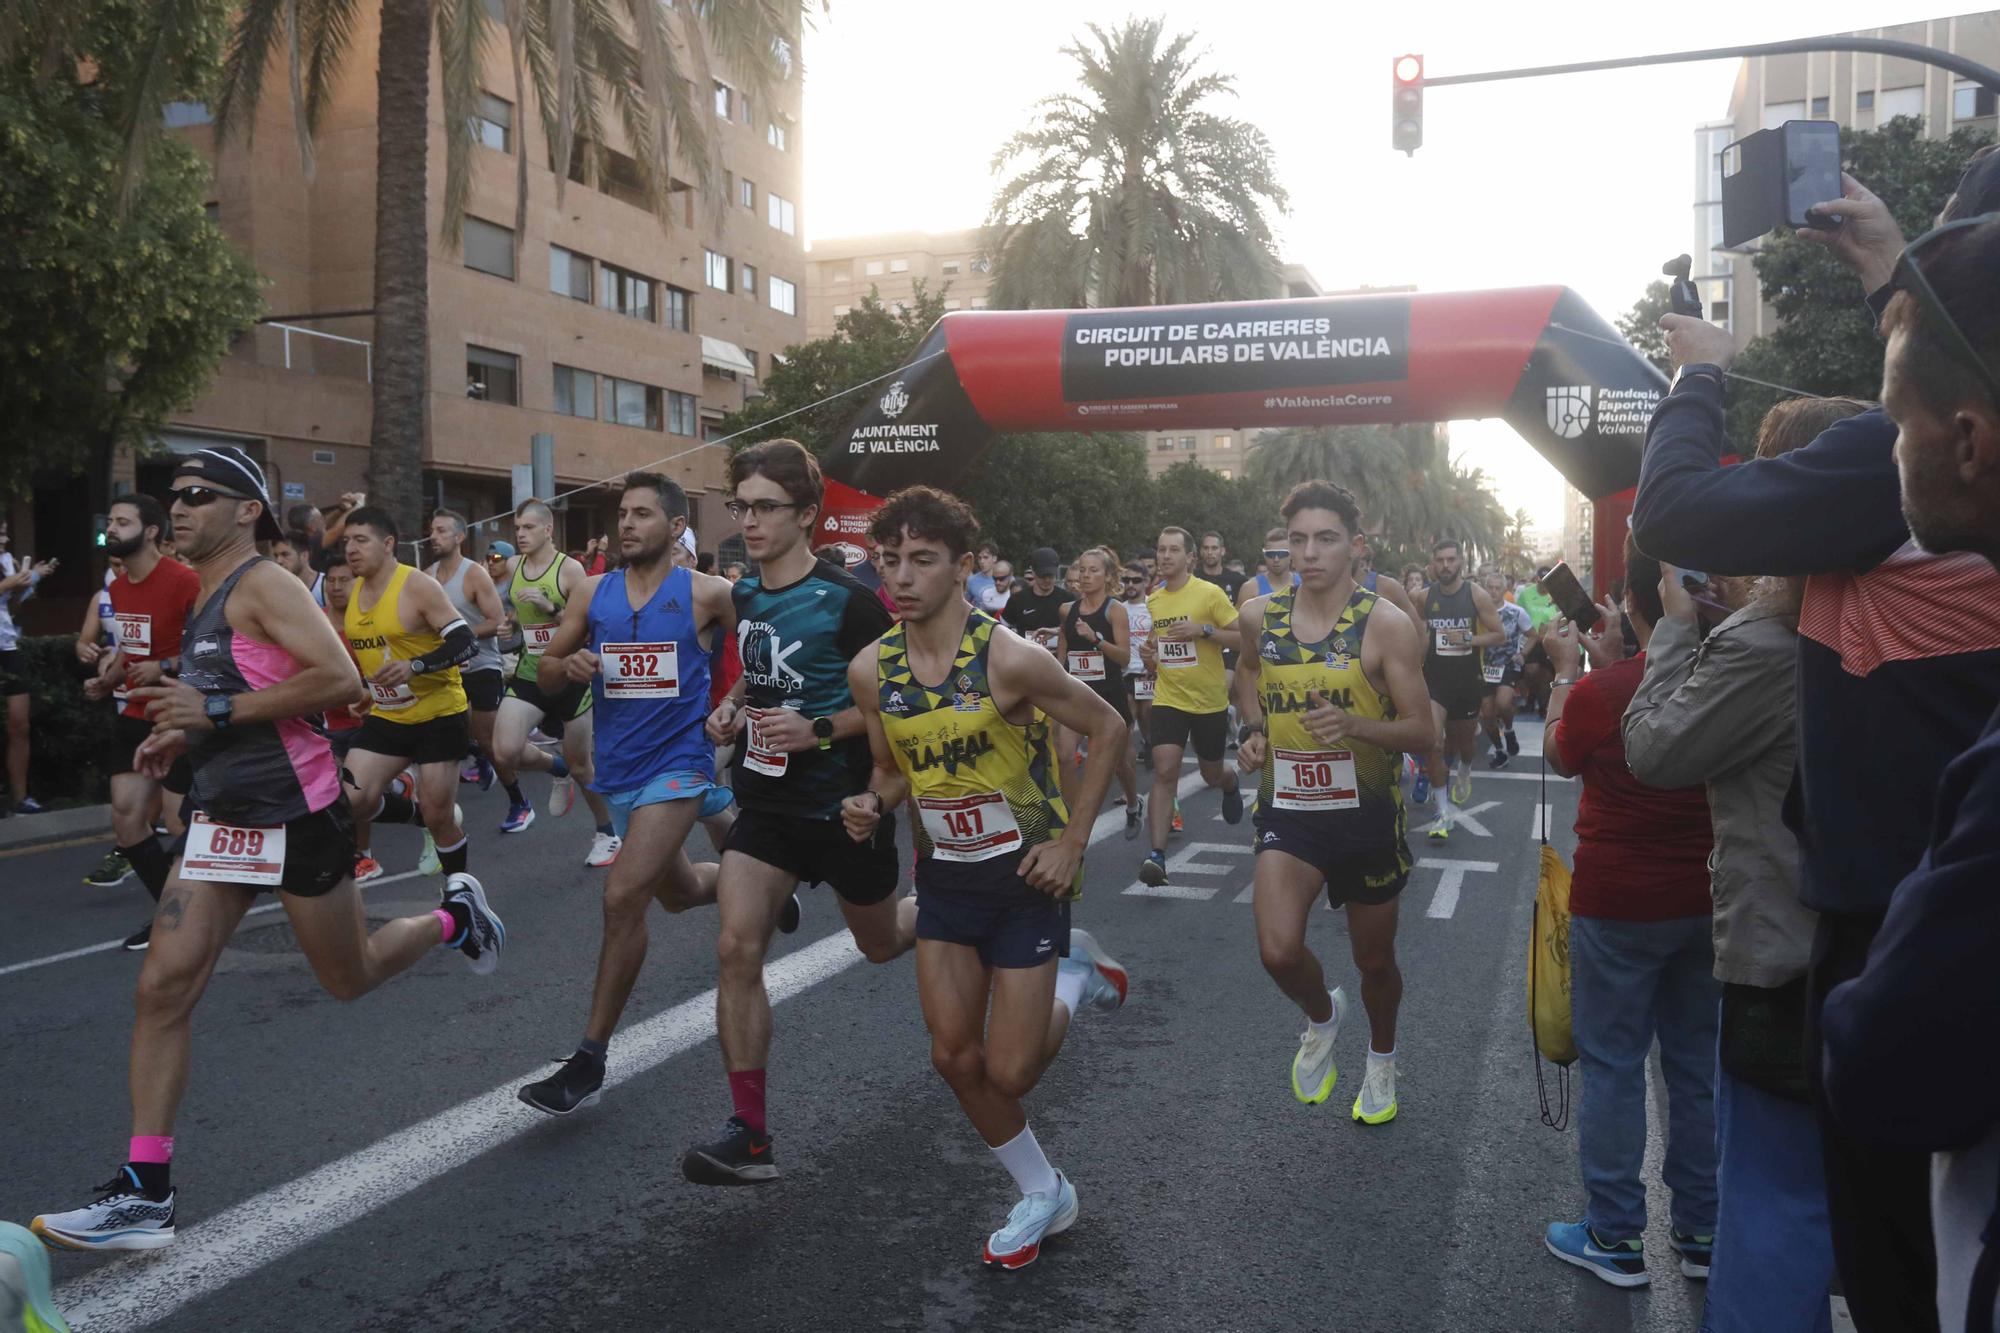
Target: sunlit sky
{"type": "Point", "coordinates": [1583, 179]}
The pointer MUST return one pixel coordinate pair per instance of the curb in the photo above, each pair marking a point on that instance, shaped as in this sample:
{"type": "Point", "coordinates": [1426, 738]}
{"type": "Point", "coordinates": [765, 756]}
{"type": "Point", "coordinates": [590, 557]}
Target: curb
{"type": "Point", "coordinates": [18, 832]}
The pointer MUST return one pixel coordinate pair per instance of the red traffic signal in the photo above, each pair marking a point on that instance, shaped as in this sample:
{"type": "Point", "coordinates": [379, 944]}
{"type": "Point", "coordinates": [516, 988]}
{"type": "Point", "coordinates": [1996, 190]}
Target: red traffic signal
{"type": "Point", "coordinates": [1407, 110]}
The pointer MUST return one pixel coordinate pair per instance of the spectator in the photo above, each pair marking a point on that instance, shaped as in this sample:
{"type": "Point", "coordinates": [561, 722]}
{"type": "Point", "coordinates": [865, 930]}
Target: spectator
{"type": "Point", "coordinates": [1415, 580]}
{"type": "Point", "coordinates": [1035, 611]}
{"type": "Point", "coordinates": [1002, 591]}
{"type": "Point", "coordinates": [979, 585]}
{"type": "Point", "coordinates": [1890, 641]}
{"type": "Point", "coordinates": [734, 570]}
{"type": "Point", "coordinates": [324, 529]}
{"type": "Point", "coordinates": [1640, 962]}
{"type": "Point", "coordinates": [1926, 1002]}
{"type": "Point", "coordinates": [17, 583]}
{"type": "Point", "coordinates": [705, 563]}
{"type": "Point", "coordinates": [1720, 711]}
{"type": "Point", "coordinates": [596, 554]}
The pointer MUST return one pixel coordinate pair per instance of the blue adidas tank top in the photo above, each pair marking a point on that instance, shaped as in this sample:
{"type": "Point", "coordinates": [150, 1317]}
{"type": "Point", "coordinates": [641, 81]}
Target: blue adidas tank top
{"type": "Point", "coordinates": [651, 687]}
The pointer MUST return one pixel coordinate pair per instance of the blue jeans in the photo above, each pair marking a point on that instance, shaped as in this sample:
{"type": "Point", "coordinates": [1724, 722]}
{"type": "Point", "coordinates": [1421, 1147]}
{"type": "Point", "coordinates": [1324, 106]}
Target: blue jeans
{"type": "Point", "coordinates": [1629, 982]}
{"type": "Point", "coordinates": [1773, 1248]}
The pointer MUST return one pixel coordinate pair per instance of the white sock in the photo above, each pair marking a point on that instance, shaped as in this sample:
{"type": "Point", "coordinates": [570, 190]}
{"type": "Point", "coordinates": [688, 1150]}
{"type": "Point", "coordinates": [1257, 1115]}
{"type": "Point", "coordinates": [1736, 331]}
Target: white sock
{"type": "Point", "coordinates": [1443, 802]}
{"type": "Point", "coordinates": [1322, 1029]}
{"type": "Point", "coordinates": [1376, 1057]}
{"type": "Point", "coordinates": [1069, 985]}
{"type": "Point", "coordinates": [1024, 1160]}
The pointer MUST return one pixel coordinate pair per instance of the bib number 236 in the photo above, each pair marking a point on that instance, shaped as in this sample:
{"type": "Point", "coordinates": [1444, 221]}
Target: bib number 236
{"type": "Point", "coordinates": [640, 670]}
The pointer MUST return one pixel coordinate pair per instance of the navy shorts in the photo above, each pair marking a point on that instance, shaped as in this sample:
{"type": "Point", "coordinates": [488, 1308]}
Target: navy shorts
{"type": "Point", "coordinates": [1365, 874]}
{"type": "Point", "coordinates": [985, 906]}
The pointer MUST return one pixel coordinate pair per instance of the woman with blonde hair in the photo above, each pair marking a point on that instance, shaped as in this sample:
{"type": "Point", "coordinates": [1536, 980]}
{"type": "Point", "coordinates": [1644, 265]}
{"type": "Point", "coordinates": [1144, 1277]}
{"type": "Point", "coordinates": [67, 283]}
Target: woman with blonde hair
{"type": "Point", "coordinates": [1096, 647]}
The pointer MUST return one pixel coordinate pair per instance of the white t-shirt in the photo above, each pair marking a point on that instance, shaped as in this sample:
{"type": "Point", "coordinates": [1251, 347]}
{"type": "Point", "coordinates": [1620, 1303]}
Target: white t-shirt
{"type": "Point", "coordinates": [1139, 620]}
{"type": "Point", "coordinates": [10, 637]}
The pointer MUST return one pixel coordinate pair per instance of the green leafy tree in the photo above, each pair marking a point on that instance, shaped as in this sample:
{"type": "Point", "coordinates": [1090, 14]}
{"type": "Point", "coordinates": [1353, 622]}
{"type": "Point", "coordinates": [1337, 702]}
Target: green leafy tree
{"type": "Point", "coordinates": [120, 295]}
{"type": "Point", "coordinates": [1191, 496]}
{"type": "Point", "coordinates": [1641, 325]}
{"type": "Point", "coordinates": [1131, 190]}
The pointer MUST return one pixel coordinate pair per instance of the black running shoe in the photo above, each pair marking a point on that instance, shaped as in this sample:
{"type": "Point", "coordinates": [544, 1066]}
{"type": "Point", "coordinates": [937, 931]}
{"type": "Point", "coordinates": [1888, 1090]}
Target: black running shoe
{"type": "Point", "coordinates": [1232, 806]}
{"type": "Point", "coordinates": [139, 940]}
{"type": "Point", "coordinates": [741, 1156]}
{"type": "Point", "coordinates": [1499, 760]}
{"type": "Point", "coordinates": [571, 1088]}
{"type": "Point", "coordinates": [789, 915]}
{"type": "Point", "coordinates": [1513, 746]}
{"type": "Point", "coordinates": [1153, 870]}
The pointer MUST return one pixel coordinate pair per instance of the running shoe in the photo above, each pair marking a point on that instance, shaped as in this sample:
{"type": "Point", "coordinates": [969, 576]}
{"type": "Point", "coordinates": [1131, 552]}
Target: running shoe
{"type": "Point", "coordinates": [27, 805]}
{"type": "Point", "coordinates": [121, 1218]}
{"type": "Point", "coordinates": [113, 869]}
{"type": "Point", "coordinates": [1313, 1071]}
{"type": "Point", "coordinates": [1178, 825]}
{"type": "Point", "coordinates": [603, 846]}
{"type": "Point", "coordinates": [1034, 1219]}
{"type": "Point", "coordinates": [1513, 745]}
{"type": "Point", "coordinates": [1500, 758]}
{"type": "Point", "coordinates": [487, 773]}
{"type": "Point", "coordinates": [366, 868]}
{"type": "Point", "coordinates": [139, 940]}
{"type": "Point", "coordinates": [427, 860]}
{"type": "Point", "coordinates": [1135, 818]}
{"type": "Point", "coordinates": [468, 773]}
{"type": "Point", "coordinates": [1420, 789]}
{"type": "Point", "coordinates": [1695, 1252]}
{"type": "Point", "coordinates": [1461, 783]}
{"type": "Point", "coordinates": [562, 795]}
{"type": "Point", "coordinates": [25, 1302]}
{"type": "Point", "coordinates": [1232, 805]}
{"type": "Point", "coordinates": [790, 915]}
{"type": "Point", "coordinates": [1376, 1104]}
{"type": "Point", "coordinates": [1153, 870]}
{"type": "Point", "coordinates": [483, 940]}
{"type": "Point", "coordinates": [1621, 1263]}
{"type": "Point", "coordinates": [1439, 831]}
{"type": "Point", "coordinates": [741, 1156]}
{"type": "Point", "coordinates": [577, 1083]}
{"type": "Point", "coordinates": [519, 816]}
{"type": "Point", "coordinates": [1106, 986]}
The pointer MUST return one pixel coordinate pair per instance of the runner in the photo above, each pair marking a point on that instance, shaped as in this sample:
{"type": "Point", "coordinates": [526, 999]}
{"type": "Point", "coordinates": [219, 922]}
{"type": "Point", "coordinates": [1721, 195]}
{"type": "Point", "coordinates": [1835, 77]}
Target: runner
{"type": "Point", "coordinates": [97, 640]}
{"type": "Point", "coordinates": [258, 659]}
{"type": "Point", "coordinates": [799, 622]}
{"type": "Point", "coordinates": [958, 720]}
{"type": "Point", "coordinates": [1452, 608]}
{"type": "Point", "coordinates": [1035, 611]}
{"type": "Point", "coordinates": [1191, 699]}
{"type": "Point", "coordinates": [1501, 671]}
{"type": "Point", "coordinates": [540, 582]}
{"type": "Point", "coordinates": [150, 604]}
{"type": "Point", "coordinates": [409, 640]}
{"type": "Point", "coordinates": [472, 592]}
{"type": "Point", "coordinates": [342, 725]}
{"type": "Point", "coordinates": [1332, 691]}
{"type": "Point", "coordinates": [640, 638]}
{"type": "Point", "coordinates": [1212, 568]}
{"type": "Point", "coordinates": [1276, 571]}
{"type": "Point", "coordinates": [1132, 581]}
{"type": "Point", "coordinates": [1097, 647]}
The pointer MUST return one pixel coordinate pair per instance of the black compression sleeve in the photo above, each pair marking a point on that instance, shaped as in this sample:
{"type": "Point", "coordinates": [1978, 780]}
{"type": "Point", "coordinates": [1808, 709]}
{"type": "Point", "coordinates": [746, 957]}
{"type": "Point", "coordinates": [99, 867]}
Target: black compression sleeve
{"type": "Point", "coordinates": [458, 647]}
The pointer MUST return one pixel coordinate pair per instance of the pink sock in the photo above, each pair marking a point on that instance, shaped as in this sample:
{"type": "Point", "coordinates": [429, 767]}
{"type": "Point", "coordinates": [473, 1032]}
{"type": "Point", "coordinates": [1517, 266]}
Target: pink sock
{"type": "Point", "coordinates": [152, 1148]}
{"type": "Point", "coordinates": [746, 1089]}
{"type": "Point", "coordinates": [447, 925]}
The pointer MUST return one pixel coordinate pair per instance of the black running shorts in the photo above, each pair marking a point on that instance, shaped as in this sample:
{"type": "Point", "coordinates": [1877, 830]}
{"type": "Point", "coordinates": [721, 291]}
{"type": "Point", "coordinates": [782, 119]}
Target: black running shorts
{"type": "Point", "coordinates": [1364, 875]}
{"type": "Point", "coordinates": [127, 733]}
{"type": "Point", "coordinates": [319, 851]}
{"type": "Point", "coordinates": [1209, 731]}
{"type": "Point", "coordinates": [483, 688]}
{"type": "Point", "coordinates": [818, 851]}
{"type": "Point", "coordinates": [440, 740]}
{"type": "Point", "coordinates": [1455, 685]}
{"type": "Point", "coordinates": [573, 700]}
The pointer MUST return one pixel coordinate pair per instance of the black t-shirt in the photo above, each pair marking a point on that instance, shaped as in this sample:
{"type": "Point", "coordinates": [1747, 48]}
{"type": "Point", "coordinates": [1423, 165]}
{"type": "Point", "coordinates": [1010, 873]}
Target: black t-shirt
{"type": "Point", "coordinates": [1028, 610]}
{"type": "Point", "coordinates": [1226, 579]}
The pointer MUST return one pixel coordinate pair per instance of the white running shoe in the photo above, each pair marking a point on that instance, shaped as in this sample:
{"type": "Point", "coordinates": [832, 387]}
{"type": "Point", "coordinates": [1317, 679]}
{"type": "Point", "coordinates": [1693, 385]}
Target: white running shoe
{"type": "Point", "coordinates": [1461, 783]}
{"type": "Point", "coordinates": [1313, 1071]}
{"type": "Point", "coordinates": [604, 849]}
{"type": "Point", "coordinates": [562, 795]}
{"type": "Point", "coordinates": [25, 1302]}
{"type": "Point", "coordinates": [487, 936]}
{"type": "Point", "coordinates": [1106, 986]}
{"type": "Point", "coordinates": [122, 1218]}
{"type": "Point", "coordinates": [427, 860]}
{"type": "Point", "coordinates": [1376, 1104]}
{"type": "Point", "coordinates": [1034, 1219]}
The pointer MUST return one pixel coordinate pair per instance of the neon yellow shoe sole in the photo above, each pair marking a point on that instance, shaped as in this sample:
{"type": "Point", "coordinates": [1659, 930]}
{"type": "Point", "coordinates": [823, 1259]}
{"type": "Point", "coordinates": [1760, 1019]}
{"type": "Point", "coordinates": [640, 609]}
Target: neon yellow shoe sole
{"type": "Point", "coordinates": [1381, 1117]}
{"type": "Point", "coordinates": [1325, 1089]}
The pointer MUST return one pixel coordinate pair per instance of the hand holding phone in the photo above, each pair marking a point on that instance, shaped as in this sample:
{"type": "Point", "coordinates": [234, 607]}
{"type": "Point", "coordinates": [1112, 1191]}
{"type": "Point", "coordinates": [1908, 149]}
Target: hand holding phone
{"type": "Point", "coordinates": [1562, 588]}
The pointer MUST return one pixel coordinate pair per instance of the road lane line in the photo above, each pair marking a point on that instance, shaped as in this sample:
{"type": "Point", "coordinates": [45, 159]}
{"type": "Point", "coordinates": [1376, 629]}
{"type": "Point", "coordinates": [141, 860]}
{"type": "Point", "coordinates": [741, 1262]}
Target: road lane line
{"type": "Point", "coordinates": [1467, 818]}
{"type": "Point", "coordinates": [1445, 901]}
{"type": "Point", "coordinates": [1509, 775]}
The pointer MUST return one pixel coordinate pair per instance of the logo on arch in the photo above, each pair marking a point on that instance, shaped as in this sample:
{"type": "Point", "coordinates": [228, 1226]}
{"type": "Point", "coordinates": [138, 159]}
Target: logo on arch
{"type": "Point", "coordinates": [1569, 410]}
{"type": "Point", "coordinates": [894, 401]}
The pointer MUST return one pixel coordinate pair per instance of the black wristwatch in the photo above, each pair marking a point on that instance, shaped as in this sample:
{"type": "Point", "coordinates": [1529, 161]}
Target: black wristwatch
{"type": "Point", "coordinates": [221, 710]}
{"type": "Point", "coordinates": [1248, 730]}
{"type": "Point", "coordinates": [823, 728]}
{"type": "Point", "coordinates": [1707, 369]}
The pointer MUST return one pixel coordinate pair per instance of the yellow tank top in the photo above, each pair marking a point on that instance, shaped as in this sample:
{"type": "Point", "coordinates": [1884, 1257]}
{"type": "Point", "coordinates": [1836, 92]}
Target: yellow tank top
{"type": "Point", "coordinates": [378, 634]}
{"type": "Point", "coordinates": [984, 787]}
{"type": "Point", "coordinates": [1301, 774]}
{"type": "Point", "coordinates": [1191, 676]}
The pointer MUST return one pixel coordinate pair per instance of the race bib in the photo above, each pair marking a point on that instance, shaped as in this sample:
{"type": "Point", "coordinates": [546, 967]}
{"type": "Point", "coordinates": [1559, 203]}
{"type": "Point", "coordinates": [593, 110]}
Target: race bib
{"type": "Point", "coordinates": [761, 758]}
{"type": "Point", "coordinates": [970, 828]}
{"type": "Point", "coordinates": [641, 670]}
{"type": "Point", "coordinates": [1493, 672]}
{"type": "Point", "coordinates": [392, 696]}
{"type": "Point", "coordinates": [135, 634]}
{"type": "Point", "coordinates": [1087, 666]}
{"type": "Point", "coordinates": [1314, 780]}
{"type": "Point", "coordinates": [1446, 648]}
{"type": "Point", "coordinates": [540, 637]}
{"type": "Point", "coordinates": [228, 854]}
{"type": "Point", "coordinates": [1178, 654]}
{"type": "Point", "coordinates": [1142, 687]}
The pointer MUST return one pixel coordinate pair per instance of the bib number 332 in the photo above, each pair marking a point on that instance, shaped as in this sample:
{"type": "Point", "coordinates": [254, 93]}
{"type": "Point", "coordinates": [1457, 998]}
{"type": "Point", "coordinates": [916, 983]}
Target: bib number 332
{"type": "Point", "coordinates": [640, 670]}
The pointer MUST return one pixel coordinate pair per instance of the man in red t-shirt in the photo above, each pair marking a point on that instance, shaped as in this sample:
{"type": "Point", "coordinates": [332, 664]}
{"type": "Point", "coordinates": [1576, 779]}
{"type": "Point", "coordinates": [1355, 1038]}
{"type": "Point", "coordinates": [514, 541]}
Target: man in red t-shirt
{"type": "Point", "coordinates": [150, 604]}
{"type": "Point", "coordinates": [1641, 958]}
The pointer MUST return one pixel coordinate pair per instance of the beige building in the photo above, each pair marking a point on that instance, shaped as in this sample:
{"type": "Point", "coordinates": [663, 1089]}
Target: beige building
{"type": "Point", "coordinates": [1859, 90]}
{"type": "Point", "coordinates": [622, 338]}
{"type": "Point", "coordinates": [841, 271]}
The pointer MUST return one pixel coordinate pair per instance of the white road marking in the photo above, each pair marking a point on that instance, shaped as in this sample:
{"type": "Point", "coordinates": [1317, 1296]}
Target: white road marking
{"type": "Point", "coordinates": [1445, 901]}
{"type": "Point", "coordinates": [1467, 819]}
{"type": "Point", "coordinates": [1184, 861]}
{"type": "Point", "coordinates": [1541, 827]}
{"type": "Point", "coordinates": [1510, 775]}
{"type": "Point", "coordinates": [1249, 892]}
{"type": "Point", "coordinates": [1199, 893]}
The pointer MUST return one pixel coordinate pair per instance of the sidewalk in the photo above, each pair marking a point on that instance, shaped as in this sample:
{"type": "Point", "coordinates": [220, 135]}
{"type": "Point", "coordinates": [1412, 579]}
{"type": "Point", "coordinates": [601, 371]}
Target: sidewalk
{"type": "Point", "coordinates": [83, 821]}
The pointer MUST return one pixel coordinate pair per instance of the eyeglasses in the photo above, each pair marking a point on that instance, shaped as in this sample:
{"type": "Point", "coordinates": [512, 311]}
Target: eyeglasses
{"type": "Point", "coordinates": [1270, 554]}
{"type": "Point", "coordinates": [1909, 278]}
{"type": "Point", "coordinates": [194, 497]}
{"type": "Point", "coordinates": [762, 509]}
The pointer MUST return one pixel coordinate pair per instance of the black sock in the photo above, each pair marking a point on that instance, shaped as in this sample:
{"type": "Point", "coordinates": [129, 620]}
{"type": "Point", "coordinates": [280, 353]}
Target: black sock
{"type": "Point", "coordinates": [151, 861]}
{"type": "Point", "coordinates": [461, 918]}
{"type": "Point", "coordinates": [593, 1051]}
{"type": "Point", "coordinates": [453, 858]}
{"type": "Point", "coordinates": [155, 1178]}
{"type": "Point", "coordinates": [514, 793]}
{"type": "Point", "coordinates": [397, 809]}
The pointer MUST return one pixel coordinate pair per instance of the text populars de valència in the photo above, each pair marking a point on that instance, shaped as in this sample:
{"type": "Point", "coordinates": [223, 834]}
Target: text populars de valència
{"type": "Point", "coordinates": [1222, 343]}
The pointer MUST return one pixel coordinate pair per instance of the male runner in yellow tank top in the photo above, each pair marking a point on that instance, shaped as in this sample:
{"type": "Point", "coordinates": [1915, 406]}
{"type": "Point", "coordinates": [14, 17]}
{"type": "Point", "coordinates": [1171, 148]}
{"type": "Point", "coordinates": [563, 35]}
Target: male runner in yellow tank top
{"type": "Point", "coordinates": [409, 640]}
{"type": "Point", "coordinates": [958, 711]}
{"type": "Point", "coordinates": [1331, 688]}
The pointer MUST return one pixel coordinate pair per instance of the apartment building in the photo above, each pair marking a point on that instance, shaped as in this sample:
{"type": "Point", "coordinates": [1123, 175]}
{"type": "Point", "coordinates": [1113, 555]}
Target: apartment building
{"type": "Point", "coordinates": [841, 271]}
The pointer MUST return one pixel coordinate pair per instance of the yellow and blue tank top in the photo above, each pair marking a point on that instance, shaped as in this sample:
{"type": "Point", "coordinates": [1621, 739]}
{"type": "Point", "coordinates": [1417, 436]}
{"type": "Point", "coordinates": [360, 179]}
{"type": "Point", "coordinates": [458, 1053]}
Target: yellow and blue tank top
{"type": "Point", "coordinates": [984, 787]}
{"type": "Point", "coordinates": [1301, 774]}
{"type": "Point", "coordinates": [380, 633]}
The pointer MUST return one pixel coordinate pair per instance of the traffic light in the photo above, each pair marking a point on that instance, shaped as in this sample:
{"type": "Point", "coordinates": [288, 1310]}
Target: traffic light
{"type": "Point", "coordinates": [1407, 115]}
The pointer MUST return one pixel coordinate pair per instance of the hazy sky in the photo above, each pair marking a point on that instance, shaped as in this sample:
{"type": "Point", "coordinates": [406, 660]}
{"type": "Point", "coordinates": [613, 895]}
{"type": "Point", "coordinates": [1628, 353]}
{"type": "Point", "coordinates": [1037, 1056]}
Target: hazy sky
{"type": "Point", "coordinates": [1583, 180]}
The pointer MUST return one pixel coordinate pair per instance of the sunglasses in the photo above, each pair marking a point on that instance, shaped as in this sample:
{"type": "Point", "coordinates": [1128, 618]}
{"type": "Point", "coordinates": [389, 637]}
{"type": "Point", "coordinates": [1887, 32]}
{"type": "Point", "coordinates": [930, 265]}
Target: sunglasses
{"type": "Point", "coordinates": [194, 497]}
{"type": "Point", "coordinates": [1909, 278]}
{"type": "Point", "coordinates": [1132, 578]}
{"type": "Point", "coordinates": [1270, 554]}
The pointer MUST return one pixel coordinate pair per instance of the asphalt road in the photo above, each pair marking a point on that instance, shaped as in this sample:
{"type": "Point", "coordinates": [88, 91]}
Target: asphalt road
{"type": "Point", "coordinates": [365, 1166]}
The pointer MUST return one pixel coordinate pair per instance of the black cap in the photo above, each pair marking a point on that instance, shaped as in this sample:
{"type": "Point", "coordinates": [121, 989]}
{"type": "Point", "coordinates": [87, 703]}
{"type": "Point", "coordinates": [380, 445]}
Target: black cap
{"type": "Point", "coordinates": [228, 468]}
{"type": "Point", "coordinates": [1044, 562]}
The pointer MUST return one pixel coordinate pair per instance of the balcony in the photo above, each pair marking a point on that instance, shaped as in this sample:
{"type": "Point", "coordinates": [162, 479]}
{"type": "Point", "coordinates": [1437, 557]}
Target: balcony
{"type": "Point", "coordinates": [305, 351]}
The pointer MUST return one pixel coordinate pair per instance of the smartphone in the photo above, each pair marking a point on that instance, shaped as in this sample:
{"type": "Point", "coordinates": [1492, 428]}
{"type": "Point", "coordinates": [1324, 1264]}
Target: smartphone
{"type": "Point", "coordinates": [1812, 171]}
{"type": "Point", "coordinates": [1570, 598]}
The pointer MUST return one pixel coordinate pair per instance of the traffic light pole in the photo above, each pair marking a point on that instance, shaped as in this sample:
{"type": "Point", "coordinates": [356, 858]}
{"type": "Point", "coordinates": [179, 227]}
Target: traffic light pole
{"type": "Point", "coordinates": [1928, 55]}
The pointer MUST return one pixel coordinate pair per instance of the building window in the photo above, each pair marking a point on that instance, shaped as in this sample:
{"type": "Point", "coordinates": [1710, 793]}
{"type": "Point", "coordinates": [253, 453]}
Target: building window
{"type": "Point", "coordinates": [899, 266]}
{"type": "Point", "coordinates": [749, 279]}
{"type": "Point", "coordinates": [1224, 442]}
{"type": "Point", "coordinates": [1187, 443]}
{"type": "Point", "coordinates": [492, 377]}
{"type": "Point", "coordinates": [751, 356]}
{"type": "Point", "coordinates": [784, 296]}
{"type": "Point", "coordinates": [489, 247]}
{"type": "Point", "coordinates": [783, 213]}
{"type": "Point", "coordinates": [180, 115]}
{"type": "Point", "coordinates": [1969, 101]}
{"type": "Point", "coordinates": [778, 135]}
{"type": "Point", "coordinates": [949, 267]}
{"type": "Point", "coordinates": [1718, 312]}
{"type": "Point", "coordinates": [872, 269]}
{"type": "Point", "coordinates": [978, 303]}
{"type": "Point", "coordinates": [725, 100]}
{"type": "Point", "coordinates": [679, 306]}
{"type": "Point", "coordinates": [630, 403]}
{"type": "Point", "coordinates": [1864, 101]}
{"type": "Point", "coordinates": [681, 412]}
{"type": "Point", "coordinates": [746, 193]}
{"type": "Point", "coordinates": [569, 273]}
{"type": "Point", "coordinates": [1225, 473]}
{"type": "Point", "coordinates": [576, 393]}
{"type": "Point", "coordinates": [840, 310]}
{"type": "Point", "coordinates": [630, 294]}
{"type": "Point", "coordinates": [493, 122]}
{"type": "Point", "coordinates": [721, 271]}
{"type": "Point", "coordinates": [212, 210]}
{"type": "Point", "coordinates": [1896, 102]}
{"type": "Point", "coordinates": [1819, 108]}
{"type": "Point", "coordinates": [982, 266]}
{"type": "Point", "coordinates": [743, 109]}
{"type": "Point", "coordinates": [1165, 445]}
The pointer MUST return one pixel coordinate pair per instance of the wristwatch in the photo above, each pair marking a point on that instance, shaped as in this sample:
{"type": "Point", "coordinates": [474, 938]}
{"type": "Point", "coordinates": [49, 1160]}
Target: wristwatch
{"type": "Point", "coordinates": [1248, 730]}
{"type": "Point", "coordinates": [823, 728]}
{"type": "Point", "coordinates": [1208, 631]}
{"type": "Point", "coordinates": [221, 709]}
{"type": "Point", "coordinates": [1702, 368]}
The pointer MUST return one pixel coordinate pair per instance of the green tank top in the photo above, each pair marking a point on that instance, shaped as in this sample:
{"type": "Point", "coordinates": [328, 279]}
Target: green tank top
{"type": "Point", "coordinates": [537, 627]}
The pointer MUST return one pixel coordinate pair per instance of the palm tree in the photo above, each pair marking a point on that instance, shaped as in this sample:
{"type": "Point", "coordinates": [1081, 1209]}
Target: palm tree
{"type": "Point", "coordinates": [1387, 468]}
{"type": "Point", "coordinates": [1129, 191]}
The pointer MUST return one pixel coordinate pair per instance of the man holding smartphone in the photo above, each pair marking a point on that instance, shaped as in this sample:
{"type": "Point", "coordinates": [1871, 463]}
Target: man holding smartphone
{"type": "Point", "coordinates": [1460, 619]}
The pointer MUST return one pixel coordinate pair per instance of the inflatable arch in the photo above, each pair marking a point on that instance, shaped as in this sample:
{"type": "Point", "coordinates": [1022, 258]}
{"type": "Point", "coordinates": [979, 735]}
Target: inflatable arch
{"type": "Point", "coordinates": [1537, 357]}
